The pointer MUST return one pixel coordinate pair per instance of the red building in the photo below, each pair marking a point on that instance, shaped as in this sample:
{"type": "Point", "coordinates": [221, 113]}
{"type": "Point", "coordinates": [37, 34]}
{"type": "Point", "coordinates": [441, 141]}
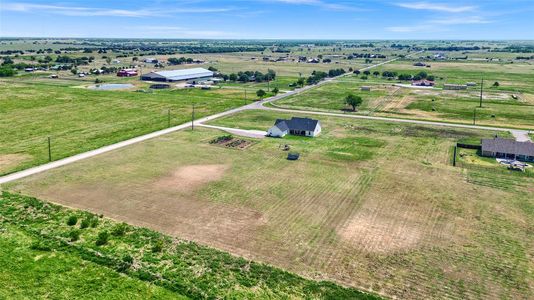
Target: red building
{"type": "Point", "coordinates": [127, 73]}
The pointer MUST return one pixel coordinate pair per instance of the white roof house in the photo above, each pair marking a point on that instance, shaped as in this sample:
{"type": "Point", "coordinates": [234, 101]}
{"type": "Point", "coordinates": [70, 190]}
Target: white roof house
{"type": "Point", "coordinates": [178, 75]}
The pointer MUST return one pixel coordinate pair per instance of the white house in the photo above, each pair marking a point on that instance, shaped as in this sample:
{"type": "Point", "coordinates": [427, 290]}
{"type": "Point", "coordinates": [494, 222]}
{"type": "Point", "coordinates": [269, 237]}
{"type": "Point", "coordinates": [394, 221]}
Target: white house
{"type": "Point", "coordinates": [295, 126]}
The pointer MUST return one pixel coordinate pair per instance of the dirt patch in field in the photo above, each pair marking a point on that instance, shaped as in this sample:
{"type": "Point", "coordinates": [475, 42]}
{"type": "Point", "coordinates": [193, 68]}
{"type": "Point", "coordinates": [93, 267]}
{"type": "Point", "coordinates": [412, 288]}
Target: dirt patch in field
{"type": "Point", "coordinates": [8, 161]}
{"type": "Point", "coordinates": [190, 178]}
{"type": "Point", "coordinates": [377, 234]}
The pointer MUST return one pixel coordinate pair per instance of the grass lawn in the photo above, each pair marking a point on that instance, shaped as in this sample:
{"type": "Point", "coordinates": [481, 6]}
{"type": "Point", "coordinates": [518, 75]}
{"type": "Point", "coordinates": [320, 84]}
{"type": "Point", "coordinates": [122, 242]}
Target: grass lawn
{"type": "Point", "coordinates": [78, 119]}
{"type": "Point", "coordinates": [377, 206]}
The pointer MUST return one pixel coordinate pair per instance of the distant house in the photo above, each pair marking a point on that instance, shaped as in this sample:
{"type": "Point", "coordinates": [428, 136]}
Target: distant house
{"type": "Point", "coordinates": [471, 84]}
{"type": "Point", "coordinates": [365, 88]}
{"type": "Point", "coordinates": [448, 86]}
{"type": "Point", "coordinates": [508, 149]}
{"type": "Point", "coordinates": [423, 82]}
{"type": "Point", "coordinates": [150, 60]}
{"type": "Point", "coordinates": [29, 69]}
{"type": "Point", "coordinates": [115, 61]}
{"type": "Point", "coordinates": [295, 126]}
{"type": "Point", "coordinates": [127, 73]}
{"type": "Point", "coordinates": [193, 75]}
{"type": "Point", "coordinates": [419, 64]}
{"type": "Point", "coordinates": [313, 61]}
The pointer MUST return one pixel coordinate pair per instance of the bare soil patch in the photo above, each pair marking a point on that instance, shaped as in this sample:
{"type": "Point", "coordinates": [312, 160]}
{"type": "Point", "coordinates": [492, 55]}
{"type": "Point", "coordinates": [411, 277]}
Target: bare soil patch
{"type": "Point", "coordinates": [8, 161]}
{"type": "Point", "coordinates": [377, 234]}
{"type": "Point", "coordinates": [190, 178]}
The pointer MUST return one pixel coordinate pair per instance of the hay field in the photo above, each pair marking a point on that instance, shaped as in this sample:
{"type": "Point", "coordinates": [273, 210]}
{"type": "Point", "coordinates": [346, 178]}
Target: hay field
{"type": "Point", "coordinates": [372, 205]}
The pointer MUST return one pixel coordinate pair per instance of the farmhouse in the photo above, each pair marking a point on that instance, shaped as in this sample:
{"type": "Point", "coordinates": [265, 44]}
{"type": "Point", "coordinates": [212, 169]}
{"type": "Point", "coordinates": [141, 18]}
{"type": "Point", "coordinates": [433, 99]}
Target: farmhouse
{"type": "Point", "coordinates": [198, 74]}
{"type": "Point", "coordinates": [508, 148]}
{"type": "Point", "coordinates": [454, 86]}
{"type": "Point", "coordinates": [127, 73]}
{"type": "Point", "coordinates": [422, 83]}
{"type": "Point", "coordinates": [295, 126]}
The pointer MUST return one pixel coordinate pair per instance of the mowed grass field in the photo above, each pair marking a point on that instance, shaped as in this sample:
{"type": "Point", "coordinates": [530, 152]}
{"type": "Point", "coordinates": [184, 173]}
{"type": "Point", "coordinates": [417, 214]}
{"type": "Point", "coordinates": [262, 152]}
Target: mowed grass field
{"type": "Point", "coordinates": [511, 104]}
{"type": "Point", "coordinates": [78, 119]}
{"type": "Point", "coordinates": [373, 205]}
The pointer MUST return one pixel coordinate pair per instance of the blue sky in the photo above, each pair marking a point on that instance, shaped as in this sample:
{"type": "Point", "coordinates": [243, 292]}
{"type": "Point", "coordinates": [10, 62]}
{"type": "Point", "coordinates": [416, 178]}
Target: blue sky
{"type": "Point", "coordinates": [277, 19]}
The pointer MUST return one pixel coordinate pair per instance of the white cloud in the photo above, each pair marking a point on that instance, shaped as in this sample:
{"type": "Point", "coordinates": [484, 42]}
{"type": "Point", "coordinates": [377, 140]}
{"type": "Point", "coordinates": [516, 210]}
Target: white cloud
{"type": "Point", "coordinates": [437, 7]}
{"type": "Point", "coordinates": [460, 21]}
{"type": "Point", "coordinates": [91, 11]}
{"type": "Point", "coordinates": [320, 3]}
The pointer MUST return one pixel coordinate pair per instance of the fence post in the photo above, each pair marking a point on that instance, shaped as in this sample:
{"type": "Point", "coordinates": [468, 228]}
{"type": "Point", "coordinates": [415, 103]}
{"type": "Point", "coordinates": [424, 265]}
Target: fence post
{"type": "Point", "coordinates": [49, 150]}
{"type": "Point", "coordinates": [454, 157]}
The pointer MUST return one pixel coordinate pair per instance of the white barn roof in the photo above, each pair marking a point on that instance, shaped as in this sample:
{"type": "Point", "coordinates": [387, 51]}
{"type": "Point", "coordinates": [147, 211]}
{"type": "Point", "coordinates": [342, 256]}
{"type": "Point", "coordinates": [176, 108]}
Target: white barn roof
{"type": "Point", "coordinates": [184, 74]}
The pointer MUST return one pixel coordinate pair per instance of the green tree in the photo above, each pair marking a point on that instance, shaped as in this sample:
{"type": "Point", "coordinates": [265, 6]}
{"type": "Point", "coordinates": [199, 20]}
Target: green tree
{"type": "Point", "coordinates": [74, 71]}
{"type": "Point", "coordinates": [354, 101]}
{"type": "Point", "coordinates": [366, 72]}
{"type": "Point", "coordinates": [300, 82]}
{"type": "Point", "coordinates": [7, 71]}
{"type": "Point", "coordinates": [276, 90]}
{"type": "Point", "coordinates": [496, 84]}
{"type": "Point", "coordinates": [261, 93]}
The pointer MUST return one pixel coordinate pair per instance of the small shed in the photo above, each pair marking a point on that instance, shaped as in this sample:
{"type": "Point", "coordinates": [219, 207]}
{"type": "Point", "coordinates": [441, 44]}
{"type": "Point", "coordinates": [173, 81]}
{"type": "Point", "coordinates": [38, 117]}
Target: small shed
{"type": "Point", "coordinates": [365, 88]}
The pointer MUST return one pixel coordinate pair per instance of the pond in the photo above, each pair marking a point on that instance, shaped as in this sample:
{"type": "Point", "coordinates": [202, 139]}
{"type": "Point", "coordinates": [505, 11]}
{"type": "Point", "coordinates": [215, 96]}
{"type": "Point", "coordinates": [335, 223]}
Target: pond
{"type": "Point", "coordinates": [111, 86]}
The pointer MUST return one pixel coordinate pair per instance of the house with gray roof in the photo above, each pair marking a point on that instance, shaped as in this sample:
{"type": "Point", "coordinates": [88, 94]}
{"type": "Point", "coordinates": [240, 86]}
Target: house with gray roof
{"type": "Point", "coordinates": [295, 126]}
{"type": "Point", "coordinates": [508, 149]}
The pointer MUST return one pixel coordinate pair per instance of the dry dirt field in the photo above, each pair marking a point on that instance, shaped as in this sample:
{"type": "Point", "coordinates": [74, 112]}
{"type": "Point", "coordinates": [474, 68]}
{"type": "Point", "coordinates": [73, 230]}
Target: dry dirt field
{"type": "Point", "coordinates": [372, 205]}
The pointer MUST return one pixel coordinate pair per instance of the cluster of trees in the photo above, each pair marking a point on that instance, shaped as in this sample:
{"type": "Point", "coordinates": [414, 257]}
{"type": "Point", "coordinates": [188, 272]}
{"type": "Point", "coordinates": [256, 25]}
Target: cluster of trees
{"type": "Point", "coordinates": [315, 77]}
{"type": "Point", "coordinates": [248, 76]}
{"type": "Point", "coordinates": [456, 48]}
{"type": "Point", "coordinates": [179, 61]}
{"type": "Point", "coordinates": [77, 61]}
{"type": "Point", "coordinates": [336, 72]}
{"type": "Point", "coordinates": [404, 77]}
{"type": "Point", "coordinates": [7, 71]}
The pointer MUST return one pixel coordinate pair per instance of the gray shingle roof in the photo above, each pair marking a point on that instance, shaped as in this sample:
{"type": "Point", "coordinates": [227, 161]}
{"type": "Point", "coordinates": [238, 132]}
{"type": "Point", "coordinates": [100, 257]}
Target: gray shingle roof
{"type": "Point", "coordinates": [295, 123]}
{"type": "Point", "coordinates": [508, 146]}
{"type": "Point", "coordinates": [281, 124]}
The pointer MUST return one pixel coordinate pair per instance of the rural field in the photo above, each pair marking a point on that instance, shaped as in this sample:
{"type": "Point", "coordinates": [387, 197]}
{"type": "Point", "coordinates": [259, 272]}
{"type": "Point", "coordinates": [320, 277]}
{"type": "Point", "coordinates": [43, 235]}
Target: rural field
{"type": "Point", "coordinates": [508, 105]}
{"type": "Point", "coordinates": [78, 119]}
{"type": "Point", "coordinates": [372, 205]}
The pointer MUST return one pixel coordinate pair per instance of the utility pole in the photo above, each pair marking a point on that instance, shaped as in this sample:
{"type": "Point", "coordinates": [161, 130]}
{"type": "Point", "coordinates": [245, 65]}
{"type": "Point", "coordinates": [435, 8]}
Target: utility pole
{"type": "Point", "coordinates": [481, 90]}
{"type": "Point", "coordinates": [193, 118]}
{"type": "Point", "coordinates": [49, 150]}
